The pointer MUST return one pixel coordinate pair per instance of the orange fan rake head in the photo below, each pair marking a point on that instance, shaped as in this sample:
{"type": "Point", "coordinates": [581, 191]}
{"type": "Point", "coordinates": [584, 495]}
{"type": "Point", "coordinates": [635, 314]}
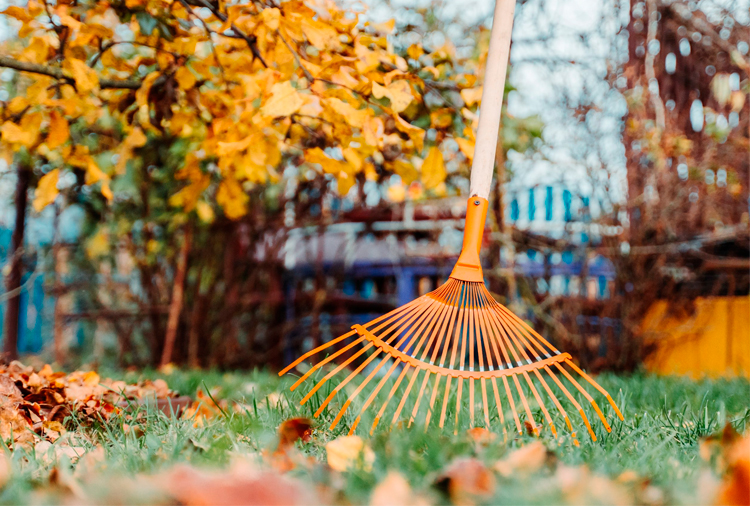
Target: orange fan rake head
{"type": "Point", "coordinates": [455, 337]}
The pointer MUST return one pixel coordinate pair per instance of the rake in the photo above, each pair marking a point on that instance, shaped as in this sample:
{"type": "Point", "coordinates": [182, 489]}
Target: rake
{"type": "Point", "coordinates": [458, 336]}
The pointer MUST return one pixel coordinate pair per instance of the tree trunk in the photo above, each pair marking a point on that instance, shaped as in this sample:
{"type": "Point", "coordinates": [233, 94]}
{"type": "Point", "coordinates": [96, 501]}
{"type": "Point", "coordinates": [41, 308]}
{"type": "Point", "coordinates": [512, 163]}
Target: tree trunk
{"type": "Point", "coordinates": [178, 293]}
{"type": "Point", "coordinates": [58, 323]}
{"type": "Point", "coordinates": [15, 257]}
{"type": "Point", "coordinates": [196, 318]}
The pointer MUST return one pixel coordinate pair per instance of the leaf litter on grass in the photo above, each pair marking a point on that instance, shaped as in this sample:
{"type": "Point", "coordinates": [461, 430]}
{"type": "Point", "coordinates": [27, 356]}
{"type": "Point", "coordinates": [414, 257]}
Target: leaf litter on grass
{"type": "Point", "coordinates": [253, 451]}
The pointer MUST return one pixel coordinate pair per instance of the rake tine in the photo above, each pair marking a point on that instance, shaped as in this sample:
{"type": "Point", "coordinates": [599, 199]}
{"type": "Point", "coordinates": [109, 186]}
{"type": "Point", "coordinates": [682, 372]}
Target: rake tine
{"type": "Point", "coordinates": [405, 396]}
{"type": "Point", "coordinates": [445, 401]}
{"type": "Point", "coordinates": [357, 391]}
{"type": "Point", "coordinates": [519, 344]}
{"type": "Point", "coordinates": [413, 311]}
{"type": "Point", "coordinates": [444, 341]}
{"type": "Point", "coordinates": [573, 401]}
{"type": "Point", "coordinates": [554, 400]}
{"type": "Point", "coordinates": [458, 403]}
{"type": "Point", "coordinates": [501, 337]}
{"type": "Point", "coordinates": [499, 408]}
{"type": "Point", "coordinates": [432, 401]}
{"type": "Point", "coordinates": [390, 396]}
{"type": "Point", "coordinates": [525, 405]}
{"type": "Point", "coordinates": [541, 404]}
{"type": "Point", "coordinates": [481, 338]}
{"type": "Point", "coordinates": [596, 385]}
{"type": "Point", "coordinates": [419, 398]}
{"type": "Point", "coordinates": [526, 326]}
{"type": "Point", "coordinates": [334, 372]}
{"type": "Point", "coordinates": [324, 362]}
{"type": "Point", "coordinates": [586, 395]}
{"type": "Point", "coordinates": [472, 309]}
{"type": "Point", "coordinates": [562, 411]}
{"type": "Point", "coordinates": [438, 331]}
{"type": "Point", "coordinates": [512, 405]}
{"type": "Point", "coordinates": [374, 394]}
{"type": "Point", "coordinates": [314, 351]}
{"type": "Point", "coordinates": [494, 338]}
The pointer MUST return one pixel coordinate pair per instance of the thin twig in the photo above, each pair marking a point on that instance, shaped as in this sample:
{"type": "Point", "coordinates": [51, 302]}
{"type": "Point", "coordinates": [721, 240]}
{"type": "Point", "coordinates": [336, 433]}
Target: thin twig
{"type": "Point", "coordinates": [57, 73]}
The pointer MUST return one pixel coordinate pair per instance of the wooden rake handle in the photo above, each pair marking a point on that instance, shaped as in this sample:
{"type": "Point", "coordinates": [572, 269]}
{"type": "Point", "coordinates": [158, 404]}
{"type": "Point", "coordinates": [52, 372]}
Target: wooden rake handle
{"type": "Point", "coordinates": [492, 99]}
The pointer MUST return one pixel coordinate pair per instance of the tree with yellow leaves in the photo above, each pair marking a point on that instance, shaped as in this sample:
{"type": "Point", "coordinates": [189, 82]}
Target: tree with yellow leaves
{"type": "Point", "coordinates": [189, 108]}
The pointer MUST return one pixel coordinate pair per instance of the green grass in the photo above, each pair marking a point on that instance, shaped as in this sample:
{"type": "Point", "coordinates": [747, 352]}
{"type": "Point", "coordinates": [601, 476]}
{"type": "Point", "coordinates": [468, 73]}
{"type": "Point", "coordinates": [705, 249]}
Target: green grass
{"type": "Point", "coordinates": [664, 421]}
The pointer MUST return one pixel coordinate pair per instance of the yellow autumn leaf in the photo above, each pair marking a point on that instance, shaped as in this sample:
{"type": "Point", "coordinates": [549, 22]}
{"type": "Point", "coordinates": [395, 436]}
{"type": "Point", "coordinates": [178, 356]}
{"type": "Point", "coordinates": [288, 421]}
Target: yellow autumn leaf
{"type": "Point", "coordinates": [330, 166]}
{"type": "Point", "coordinates": [344, 183]}
{"type": "Point", "coordinates": [271, 18]}
{"type": "Point", "coordinates": [354, 117]}
{"type": "Point", "coordinates": [185, 78]}
{"type": "Point", "coordinates": [84, 76]}
{"type": "Point", "coordinates": [58, 130]}
{"type": "Point", "coordinates": [472, 95]}
{"type": "Point", "coordinates": [232, 198]}
{"type": "Point", "coordinates": [433, 169]}
{"type": "Point", "coordinates": [14, 134]}
{"type": "Point", "coordinates": [17, 12]}
{"type": "Point", "coordinates": [399, 93]}
{"type": "Point", "coordinates": [25, 133]}
{"type": "Point", "coordinates": [386, 27]}
{"type": "Point", "coordinates": [349, 452]}
{"type": "Point", "coordinates": [46, 190]}
{"type": "Point", "coordinates": [205, 211]}
{"type": "Point", "coordinates": [404, 170]}
{"type": "Point", "coordinates": [98, 244]}
{"type": "Point", "coordinates": [320, 35]}
{"type": "Point", "coordinates": [284, 100]}
{"type": "Point", "coordinates": [416, 134]}
{"type": "Point", "coordinates": [466, 146]}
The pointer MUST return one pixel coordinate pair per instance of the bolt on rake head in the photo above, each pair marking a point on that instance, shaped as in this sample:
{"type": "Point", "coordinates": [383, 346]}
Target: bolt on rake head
{"type": "Point", "coordinates": [454, 337]}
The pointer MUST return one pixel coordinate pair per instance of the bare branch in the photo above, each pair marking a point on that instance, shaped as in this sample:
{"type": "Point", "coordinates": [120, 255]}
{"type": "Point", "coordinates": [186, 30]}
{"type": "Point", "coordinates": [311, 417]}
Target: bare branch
{"type": "Point", "coordinates": [57, 73]}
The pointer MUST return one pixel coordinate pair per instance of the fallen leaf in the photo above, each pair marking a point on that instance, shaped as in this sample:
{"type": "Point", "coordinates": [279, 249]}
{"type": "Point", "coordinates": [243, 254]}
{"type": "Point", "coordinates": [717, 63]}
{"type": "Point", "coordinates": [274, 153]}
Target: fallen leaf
{"type": "Point", "coordinates": [735, 487]}
{"type": "Point", "coordinates": [466, 480]}
{"type": "Point", "coordinates": [481, 436]}
{"type": "Point", "coordinates": [394, 490]}
{"type": "Point", "coordinates": [294, 429]}
{"type": "Point", "coordinates": [348, 452]}
{"type": "Point", "coordinates": [238, 485]}
{"type": "Point", "coordinates": [527, 459]}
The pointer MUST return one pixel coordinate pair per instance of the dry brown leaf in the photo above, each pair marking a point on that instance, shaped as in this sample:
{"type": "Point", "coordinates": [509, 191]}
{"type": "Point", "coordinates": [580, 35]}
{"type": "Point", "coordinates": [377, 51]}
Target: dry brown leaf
{"type": "Point", "coordinates": [394, 490]}
{"type": "Point", "coordinates": [735, 487]}
{"type": "Point", "coordinates": [527, 459]}
{"type": "Point", "coordinates": [349, 452]}
{"type": "Point", "coordinates": [465, 480]}
{"type": "Point", "coordinates": [239, 485]}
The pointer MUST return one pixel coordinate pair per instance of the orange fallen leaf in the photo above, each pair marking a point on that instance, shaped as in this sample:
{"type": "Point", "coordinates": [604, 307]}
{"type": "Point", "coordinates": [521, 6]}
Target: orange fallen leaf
{"type": "Point", "coordinates": [526, 459]}
{"type": "Point", "coordinates": [465, 480]}
{"type": "Point", "coordinates": [348, 452]}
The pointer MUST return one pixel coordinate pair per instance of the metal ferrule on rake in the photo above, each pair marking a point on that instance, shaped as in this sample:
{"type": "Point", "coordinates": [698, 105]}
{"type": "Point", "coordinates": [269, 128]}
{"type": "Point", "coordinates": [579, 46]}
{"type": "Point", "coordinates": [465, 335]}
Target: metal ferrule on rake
{"type": "Point", "coordinates": [456, 337]}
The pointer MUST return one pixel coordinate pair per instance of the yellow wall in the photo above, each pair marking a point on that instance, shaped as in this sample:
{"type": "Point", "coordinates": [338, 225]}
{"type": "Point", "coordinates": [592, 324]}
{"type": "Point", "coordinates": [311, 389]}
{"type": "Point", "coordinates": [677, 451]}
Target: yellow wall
{"type": "Point", "coordinates": [714, 341]}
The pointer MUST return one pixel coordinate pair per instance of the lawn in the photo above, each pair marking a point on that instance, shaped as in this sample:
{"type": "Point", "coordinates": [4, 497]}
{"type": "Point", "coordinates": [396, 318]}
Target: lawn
{"type": "Point", "coordinates": [662, 453]}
